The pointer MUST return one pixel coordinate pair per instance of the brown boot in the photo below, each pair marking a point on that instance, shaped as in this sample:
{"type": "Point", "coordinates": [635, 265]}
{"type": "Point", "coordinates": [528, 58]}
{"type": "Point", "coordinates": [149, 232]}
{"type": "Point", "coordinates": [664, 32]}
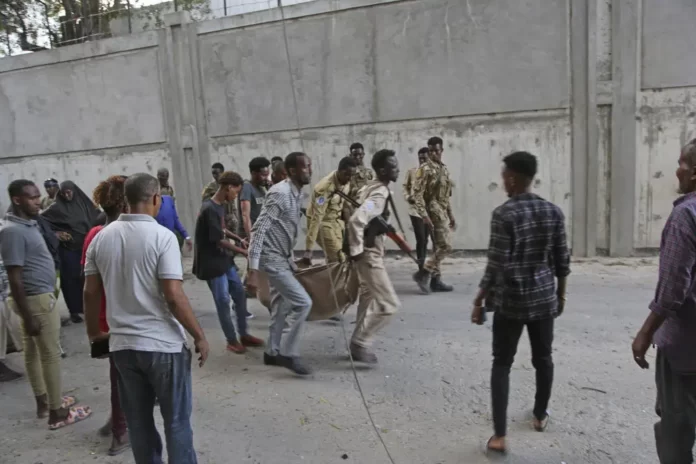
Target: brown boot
{"type": "Point", "coordinates": [362, 354]}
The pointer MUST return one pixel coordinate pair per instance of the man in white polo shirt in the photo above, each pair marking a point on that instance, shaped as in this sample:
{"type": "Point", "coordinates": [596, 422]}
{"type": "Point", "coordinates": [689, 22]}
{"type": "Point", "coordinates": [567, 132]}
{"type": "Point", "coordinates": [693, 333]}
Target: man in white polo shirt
{"type": "Point", "coordinates": [139, 264]}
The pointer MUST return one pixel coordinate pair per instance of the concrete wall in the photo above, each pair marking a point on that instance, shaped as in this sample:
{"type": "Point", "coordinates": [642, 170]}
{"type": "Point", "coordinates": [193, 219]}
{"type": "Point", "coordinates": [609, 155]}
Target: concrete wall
{"type": "Point", "coordinates": [585, 85]}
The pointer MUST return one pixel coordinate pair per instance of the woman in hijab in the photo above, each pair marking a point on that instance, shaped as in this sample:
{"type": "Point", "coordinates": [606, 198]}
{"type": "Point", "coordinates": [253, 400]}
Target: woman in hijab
{"type": "Point", "coordinates": [71, 217]}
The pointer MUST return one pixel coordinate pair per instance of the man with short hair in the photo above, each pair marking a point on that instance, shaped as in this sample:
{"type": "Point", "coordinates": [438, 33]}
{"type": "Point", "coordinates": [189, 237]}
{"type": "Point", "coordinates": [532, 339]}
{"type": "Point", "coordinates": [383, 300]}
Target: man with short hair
{"type": "Point", "coordinates": [52, 188]}
{"type": "Point", "coordinates": [273, 240]}
{"type": "Point", "coordinates": [147, 311]}
{"type": "Point", "coordinates": [431, 200]}
{"type": "Point", "coordinates": [163, 178]}
{"type": "Point", "coordinates": [671, 323]}
{"type": "Point", "coordinates": [32, 276]}
{"type": "Point", "coordinates": [231, 209]}
{"type": "Point", "coordinates": [362, 174]}
{"type": "Point", "coordinates": [325, 223]}
{"type": "Point", "coordinates": [213, 263]}
{"type": "Point", "coordinates": [420, 230]}
{"type": "Point", "coordinates": [528, 252]}
{"type": "Point", "coordinates": [378, 300]}
{"type": "Point", "coordinates": [253, 194]}
{"type": "Point", "coordinates": [279, 174]}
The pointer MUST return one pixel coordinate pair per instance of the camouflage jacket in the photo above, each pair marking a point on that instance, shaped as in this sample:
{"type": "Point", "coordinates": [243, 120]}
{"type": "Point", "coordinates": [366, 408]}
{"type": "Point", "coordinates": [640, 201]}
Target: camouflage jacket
{"type": "Point", "coordinates": [361, 177]}
{"type": "Point", "coordinates": [168, 190]}
{"type": "Point", "coordinates": [432, 190]}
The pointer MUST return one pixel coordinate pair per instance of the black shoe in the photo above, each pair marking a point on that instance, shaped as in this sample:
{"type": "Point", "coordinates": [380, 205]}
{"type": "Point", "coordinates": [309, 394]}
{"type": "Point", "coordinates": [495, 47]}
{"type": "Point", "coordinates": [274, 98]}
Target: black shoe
{"type": "Point", "coordinates": [294, 364]}
{"type": "Point", "coordinates": [76, 318]}
{"type": "Point", "coordinates": [270, 360]}
{"type": "Point", "coordinates": [437, 285]}
{"type": "Point", "coordinates": [362, 354]}
{"type": "Point", "coordinates": [422, 278]}
{"type": "Point", "coordinates": [335, 318]}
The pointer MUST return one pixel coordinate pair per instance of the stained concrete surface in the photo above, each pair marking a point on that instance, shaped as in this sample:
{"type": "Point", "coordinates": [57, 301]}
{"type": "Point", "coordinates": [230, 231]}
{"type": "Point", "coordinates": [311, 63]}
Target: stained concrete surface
{"type": "Point", "coordinates": [429, 396]}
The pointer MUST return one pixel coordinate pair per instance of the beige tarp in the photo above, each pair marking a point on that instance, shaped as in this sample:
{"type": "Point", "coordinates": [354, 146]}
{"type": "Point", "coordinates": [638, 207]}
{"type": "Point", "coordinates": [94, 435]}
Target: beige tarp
{"type": "Point", "coordinates": [317, 280]}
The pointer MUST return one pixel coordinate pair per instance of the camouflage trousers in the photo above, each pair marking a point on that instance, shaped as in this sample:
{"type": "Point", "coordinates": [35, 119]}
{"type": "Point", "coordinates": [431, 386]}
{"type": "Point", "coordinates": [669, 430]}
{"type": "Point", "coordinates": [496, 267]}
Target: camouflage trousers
{"type": "Point", "coordinates": [330, 239]}
{"type": "Point", "coordinates": [443, 245]}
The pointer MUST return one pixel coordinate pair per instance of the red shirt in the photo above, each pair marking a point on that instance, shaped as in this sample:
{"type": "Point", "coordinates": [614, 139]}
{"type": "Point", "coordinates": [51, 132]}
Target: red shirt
{"type": "Point", "coordinates": [103, 326]}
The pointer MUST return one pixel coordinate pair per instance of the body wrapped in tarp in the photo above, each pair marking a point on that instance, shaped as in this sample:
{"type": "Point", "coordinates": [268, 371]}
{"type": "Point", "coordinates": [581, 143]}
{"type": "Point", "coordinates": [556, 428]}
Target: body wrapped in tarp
{"type": "Point", "coordinates": [317, 280]}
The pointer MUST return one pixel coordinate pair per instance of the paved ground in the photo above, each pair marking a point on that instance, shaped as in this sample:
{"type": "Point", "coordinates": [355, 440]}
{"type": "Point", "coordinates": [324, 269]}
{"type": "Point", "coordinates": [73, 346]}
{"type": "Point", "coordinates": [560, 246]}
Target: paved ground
{"type": "Point", "coordinates": [429, 397]}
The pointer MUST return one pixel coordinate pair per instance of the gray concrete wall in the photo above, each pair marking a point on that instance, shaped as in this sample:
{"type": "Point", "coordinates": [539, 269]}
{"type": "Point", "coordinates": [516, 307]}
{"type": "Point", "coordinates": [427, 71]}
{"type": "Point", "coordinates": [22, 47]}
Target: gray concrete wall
{"type": "Point", "coordinates": [577, 82]}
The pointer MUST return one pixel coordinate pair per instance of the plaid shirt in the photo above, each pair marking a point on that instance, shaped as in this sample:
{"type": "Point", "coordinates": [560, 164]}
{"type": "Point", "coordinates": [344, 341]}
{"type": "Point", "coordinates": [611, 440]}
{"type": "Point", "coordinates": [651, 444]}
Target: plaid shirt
{"type": "Point", "coordinates": [675, 295]}
{"type": "Point", "coordinates": [274, 234]}
{"type": "Point", "coordinates": [527, 251]}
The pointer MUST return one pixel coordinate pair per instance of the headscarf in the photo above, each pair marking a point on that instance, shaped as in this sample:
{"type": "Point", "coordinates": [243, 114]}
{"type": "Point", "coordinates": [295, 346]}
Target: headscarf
{"type": "Point", "coordinates": [75, 216]}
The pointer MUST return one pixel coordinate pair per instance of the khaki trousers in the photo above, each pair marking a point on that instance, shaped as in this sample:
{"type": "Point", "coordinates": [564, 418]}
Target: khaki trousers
{"type": "Point", "coordinates": [42, 353]}
{"type": "Point", "coordinates": [377, 301]}
{"type": "Point", "coordinates": [330, 239]}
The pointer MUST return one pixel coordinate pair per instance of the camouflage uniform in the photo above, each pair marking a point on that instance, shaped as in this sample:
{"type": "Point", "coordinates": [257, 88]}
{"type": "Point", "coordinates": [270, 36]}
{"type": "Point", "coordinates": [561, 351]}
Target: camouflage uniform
{"type": "Point", "coordinates": [324, 222]}
{"type": "Point", "coordinates": [168, 190]}
{"type": "Point", "coordinates": [431, 194]}
{"type": "Point", "coordinates": [231, 216]}
{"type": "Point", "coordinates": [361, 177]}
{"type": "Point", "coordinates": [46, 202]}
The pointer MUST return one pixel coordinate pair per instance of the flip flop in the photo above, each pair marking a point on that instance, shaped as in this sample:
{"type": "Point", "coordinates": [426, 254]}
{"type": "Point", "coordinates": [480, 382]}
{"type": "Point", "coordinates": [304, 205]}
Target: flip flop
{"type": "Point", "coordinates": [75, 414]}
{"type": "Point", "coordinates": [68, 401]}
{"type": "Point", "coordinates": [541, 425]}
{"type": "Point", "coordinates": [494, 450]}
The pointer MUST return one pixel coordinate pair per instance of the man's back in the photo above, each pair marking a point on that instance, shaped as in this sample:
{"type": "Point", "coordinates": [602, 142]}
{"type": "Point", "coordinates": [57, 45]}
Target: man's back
{"type": "Point", "coordinates": [131, 255]}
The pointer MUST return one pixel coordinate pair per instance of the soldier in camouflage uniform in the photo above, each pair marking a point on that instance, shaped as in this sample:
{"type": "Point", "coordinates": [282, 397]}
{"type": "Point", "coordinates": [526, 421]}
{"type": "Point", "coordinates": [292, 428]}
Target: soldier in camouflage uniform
{"type": "Point", "coordinates": [163, 178]}
{"type": "Point", "coordinates": [362, 174]}
{"type": "Point", "coordinates": [231, 216]}
{"type": "Point", "coordinates": [431, 195]}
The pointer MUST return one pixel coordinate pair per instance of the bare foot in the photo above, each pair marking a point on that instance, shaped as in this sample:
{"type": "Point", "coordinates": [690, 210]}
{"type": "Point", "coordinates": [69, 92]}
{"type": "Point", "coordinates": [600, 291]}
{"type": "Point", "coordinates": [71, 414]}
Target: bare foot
{"type": "Point", "coordinates": [540, 425]}
{"type": "Point", "coordinates": [496, 444]}
{"type": "Point", "coordinates": [42, 406]}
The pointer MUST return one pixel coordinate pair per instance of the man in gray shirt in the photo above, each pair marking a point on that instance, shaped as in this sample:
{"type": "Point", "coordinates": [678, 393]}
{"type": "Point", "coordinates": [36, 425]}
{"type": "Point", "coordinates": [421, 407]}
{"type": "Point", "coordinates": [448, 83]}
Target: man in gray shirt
{"type": "Point", "coordinates": [32, 276]}
{"type": "Point", "coordinates": [271, 250]}
{"type": "Point", "coordinates": [253, 195]}
{"type": "Point", "coordinates": [139, 264]}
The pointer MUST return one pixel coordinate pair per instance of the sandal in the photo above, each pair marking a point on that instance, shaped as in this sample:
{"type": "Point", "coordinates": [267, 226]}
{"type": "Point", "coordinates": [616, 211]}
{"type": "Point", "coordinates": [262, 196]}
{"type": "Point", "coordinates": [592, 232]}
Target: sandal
{"type": "Point", "coordinates": [540, 425]}
{"type": "Point", "coordinates": [75, 414]}
{"type": "Point", "coordinates": [68, 401]}
{"type": "Point", "coordinates": [490, 449]}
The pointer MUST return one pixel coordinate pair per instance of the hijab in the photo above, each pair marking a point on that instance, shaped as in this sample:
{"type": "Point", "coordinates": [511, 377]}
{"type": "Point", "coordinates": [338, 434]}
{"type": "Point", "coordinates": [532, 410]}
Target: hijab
{"type": "Point", "coordinates": [74, 216]}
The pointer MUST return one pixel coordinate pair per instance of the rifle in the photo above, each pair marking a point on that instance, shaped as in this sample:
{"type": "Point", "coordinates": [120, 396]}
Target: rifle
{"type": "Point", "coordinates": [379, 226]}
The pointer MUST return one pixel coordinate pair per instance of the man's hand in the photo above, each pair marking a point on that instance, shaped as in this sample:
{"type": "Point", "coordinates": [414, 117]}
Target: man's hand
{"type": "Point", "coordinates": [307, 258]}
{"type": "Point", "coordinates": [452, 223]}
{"type": "Point", "coordinates": [63, 236]}
{"type": "Point", "coordinates": [189, 243]}
{"type": "Point", "coordinates": [561, 304]}
{"type": "Point", "coordinates": [640, 346]}
{"type": "Point", "coordinates": [31, 326]}
{"type": "Point", "coordinates": [252, 281]}
{"type": "Point", "coordinates": [428, 223]}
{"type": "Point", "coordinates": [202, 348]}
{"type": "Point", "coordinates": [477, 314]}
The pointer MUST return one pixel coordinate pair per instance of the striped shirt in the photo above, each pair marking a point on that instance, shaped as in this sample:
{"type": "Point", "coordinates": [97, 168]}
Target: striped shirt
{"type": "Point", "coordinates": [675, 294]}
{"type": "Point", "coordinates": [527, 251]}
{"type": "Point", "coordinates": [274, 234]}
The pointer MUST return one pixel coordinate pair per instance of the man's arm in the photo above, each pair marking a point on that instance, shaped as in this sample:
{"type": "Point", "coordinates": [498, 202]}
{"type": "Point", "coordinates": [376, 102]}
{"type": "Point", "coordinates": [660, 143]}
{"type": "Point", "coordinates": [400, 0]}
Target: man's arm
{"type": "Point", "coordinates": [498, 254]}
{"type": "Point", "coordinates": [245, 198]}
{"type": "Point", "coordinates": [14, 275]}
{"type": "Point", "coordinates": [407, 187]}
{"type": "Point", "coordinates": [91, 298]}
{"type": "Point", "coordinates": [561, 258]}
{"type": "Point", "coordinates": [178, 226]}
{"type": "Point", "coordinates": [13, 252]}
{"type": "Point", "coordinates": [418, 191]}
{"type": "Point", "coordinates": [372, 207]}
{"type": "Point", "coordinates": [272, 209]}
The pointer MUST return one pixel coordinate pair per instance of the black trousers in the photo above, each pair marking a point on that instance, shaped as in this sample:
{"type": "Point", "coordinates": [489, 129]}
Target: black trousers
{"type": "Point", "coordinates": [422, 234]}
{"type": "Point", "coordinates": [506, 336]}
{"type": "Point", "coordinates": [676, 406]}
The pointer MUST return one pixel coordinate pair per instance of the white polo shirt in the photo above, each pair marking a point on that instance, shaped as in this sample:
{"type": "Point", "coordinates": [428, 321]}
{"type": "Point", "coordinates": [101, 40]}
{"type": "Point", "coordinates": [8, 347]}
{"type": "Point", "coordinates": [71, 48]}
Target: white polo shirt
{"type": "Point", "coordinates": [131, 255]}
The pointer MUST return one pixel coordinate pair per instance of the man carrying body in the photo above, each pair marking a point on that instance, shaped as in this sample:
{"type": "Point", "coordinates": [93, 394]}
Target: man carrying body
{"type": "Point", "coordinates": [271, 250]}
{"type": "Point", "coordinates": [671, 324]}
{"type": "Point", "coordinates": [253, 194]}
{"type": "Point", "coordinates": [52, 188]}
{"type": "Point", "coordinates": [431, 200]}
{"type": "Point", "coordinates": [32, 276]}
{"type": "Point", "coordinates": [147, 311]}
{"type": "Point", "coordinates": [420, 230]}
{"type": "Point", "coordinates": [163, 178]}
{"type": "Point", "coordinates": [325, 223]}
{"type": "Point", "coordinates": [213, 263]}
{"type": "Point", "coordinates": [378, 301]}
{"type": "Point", "coordinates": [527, 252]}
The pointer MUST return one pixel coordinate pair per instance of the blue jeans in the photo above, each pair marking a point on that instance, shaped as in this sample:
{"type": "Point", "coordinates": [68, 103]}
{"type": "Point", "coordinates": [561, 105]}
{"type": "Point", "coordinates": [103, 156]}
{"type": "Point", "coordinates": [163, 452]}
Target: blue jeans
{"type": "Point", "coordinates": [144, 376]}
{"type": "Point", "coordinates": [228, 287]}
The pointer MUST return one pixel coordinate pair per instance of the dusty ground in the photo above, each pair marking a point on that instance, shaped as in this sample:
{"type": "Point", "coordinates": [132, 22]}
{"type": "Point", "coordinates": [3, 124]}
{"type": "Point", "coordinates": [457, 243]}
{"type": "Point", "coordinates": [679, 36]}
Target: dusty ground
{"type": "Point", "coordinates": [429, 396]}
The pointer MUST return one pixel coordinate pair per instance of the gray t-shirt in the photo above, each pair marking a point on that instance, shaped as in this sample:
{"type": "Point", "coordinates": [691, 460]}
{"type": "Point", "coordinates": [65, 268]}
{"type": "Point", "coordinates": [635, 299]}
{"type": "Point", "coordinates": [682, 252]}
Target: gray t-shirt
{"type": "Point", "coordinates": [131, 255]}
{"type": "Point", "coordinates": [21, 244]}
{"type": "Point", "coordinates": [255, 196]}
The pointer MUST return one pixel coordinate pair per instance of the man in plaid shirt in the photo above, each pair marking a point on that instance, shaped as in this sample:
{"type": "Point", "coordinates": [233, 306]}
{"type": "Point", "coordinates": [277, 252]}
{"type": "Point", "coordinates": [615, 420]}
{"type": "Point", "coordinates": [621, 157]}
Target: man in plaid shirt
{"type": "Point", "coordinates": [526, 256]}
{"type": "Point", "coordinates": [671, 323]}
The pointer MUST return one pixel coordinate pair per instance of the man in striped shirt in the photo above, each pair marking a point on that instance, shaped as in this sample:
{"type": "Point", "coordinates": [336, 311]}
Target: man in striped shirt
{"type": "Point", "coordinates": [273, 238]}
{"type": "Point", "coordinates": [671, 323]}
{"type": "Point", "coordinates": [527, 253]}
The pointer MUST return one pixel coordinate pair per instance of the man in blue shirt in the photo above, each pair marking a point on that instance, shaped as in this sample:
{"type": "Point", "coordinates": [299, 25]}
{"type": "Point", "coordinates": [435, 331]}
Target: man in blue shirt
{"type": "Point", "coordinates": [169, 218]}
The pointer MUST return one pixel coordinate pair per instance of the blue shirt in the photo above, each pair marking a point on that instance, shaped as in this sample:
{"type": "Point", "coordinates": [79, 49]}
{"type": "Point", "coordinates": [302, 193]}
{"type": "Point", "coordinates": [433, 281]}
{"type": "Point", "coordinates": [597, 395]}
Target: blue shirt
{"type": "Point", "coordinates": [169, 218]}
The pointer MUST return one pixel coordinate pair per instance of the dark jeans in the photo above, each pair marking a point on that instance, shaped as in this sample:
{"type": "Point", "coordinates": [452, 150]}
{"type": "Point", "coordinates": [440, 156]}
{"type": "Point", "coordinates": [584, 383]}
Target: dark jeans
{"type": "Point", "coordinates": [144, 376]}
{"type": "Point", "coordinates": [228, 288]}
{"type": "Point", "coordinates": [676, 406]}
{"type": "Point", "coordinates": [422, 234]}
{"type": "Point", "coordinates": [71, 279]}
{"type": "Point", "coordinates": [118, 417]}
{"type": "Point", "coordinates": [506, 336]}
